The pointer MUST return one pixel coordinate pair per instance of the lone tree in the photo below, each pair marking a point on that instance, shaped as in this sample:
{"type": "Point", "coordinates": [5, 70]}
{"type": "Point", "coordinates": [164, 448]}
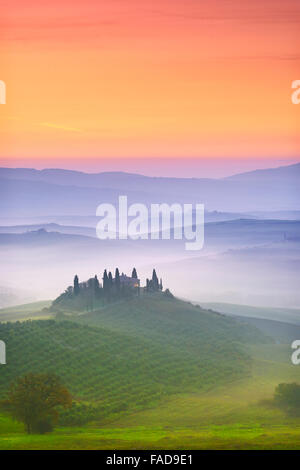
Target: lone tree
{"type": "Point", "coordinates": [34, 399]}
{"type": "Point", "coordinates": [287, 397]}
{"type": "Point", "coordinates": [76, 285]}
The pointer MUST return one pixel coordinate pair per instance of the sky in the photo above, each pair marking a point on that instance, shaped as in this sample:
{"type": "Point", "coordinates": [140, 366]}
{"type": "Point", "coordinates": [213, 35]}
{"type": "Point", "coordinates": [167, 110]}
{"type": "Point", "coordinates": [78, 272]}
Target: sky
{"type": "Point", "coordinates": [179, 87]}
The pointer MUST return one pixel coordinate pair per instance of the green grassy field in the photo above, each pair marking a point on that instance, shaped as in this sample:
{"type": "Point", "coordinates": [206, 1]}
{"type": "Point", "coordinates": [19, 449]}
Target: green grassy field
{"type": "Point", "coordinates": [236, 416]}
{"type": "Point", "coordinates": [33, 310]}
{"type": "Point", "coordinates": [130, 353]}
{"type": "Point", "coordinates": [191, 379]}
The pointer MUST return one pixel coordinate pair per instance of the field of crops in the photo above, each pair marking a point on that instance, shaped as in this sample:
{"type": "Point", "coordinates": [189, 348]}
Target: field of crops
{"type": "Point", "coordinates": [152, 372]}
{"type": "Point", "coordinates": [130, 354]}
{"type": "Point", "coordinates": [239, 415]}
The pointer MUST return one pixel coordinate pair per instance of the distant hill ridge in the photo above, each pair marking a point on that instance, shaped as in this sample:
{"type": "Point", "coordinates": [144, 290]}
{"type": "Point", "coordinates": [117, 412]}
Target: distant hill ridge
{"type": "Point", "coordinates": [62, 192]}
{"type": "Point", "coordinates": [58, 175]}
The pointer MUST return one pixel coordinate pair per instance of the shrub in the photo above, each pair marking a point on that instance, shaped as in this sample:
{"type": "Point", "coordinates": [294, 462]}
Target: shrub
{"type": "Point", "coordinates": [287, 397]}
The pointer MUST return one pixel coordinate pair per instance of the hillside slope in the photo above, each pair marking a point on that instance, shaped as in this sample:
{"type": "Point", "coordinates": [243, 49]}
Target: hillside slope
{"type": "Point", "coordinates": [100, 365]}
{"type": "Point", "coordinates": [130, 353]}
{"type": "Point", "coordinates": [162, 319]}
{"type": "Point", "coordinates": [284, 315]}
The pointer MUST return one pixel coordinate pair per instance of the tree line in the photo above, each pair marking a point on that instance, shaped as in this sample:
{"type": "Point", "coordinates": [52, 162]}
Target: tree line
{"type": "Point", "coordinates": [90, 294]}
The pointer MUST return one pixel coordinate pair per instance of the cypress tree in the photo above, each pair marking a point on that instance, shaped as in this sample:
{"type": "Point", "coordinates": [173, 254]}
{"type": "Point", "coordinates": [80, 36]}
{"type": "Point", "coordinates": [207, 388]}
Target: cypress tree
{"type": "Point", "coordinates": [134, 274]}
{"type": "Point", "coordinates": [117, 280]}
{"type": "Point", "coordinates": [96, 283]}
{"type": "Point", "coordinates": [76, 285]}
{"type": "Point", "coordinates": [105, 281]}
{"type": "Point", "coordinates": [155, 284]}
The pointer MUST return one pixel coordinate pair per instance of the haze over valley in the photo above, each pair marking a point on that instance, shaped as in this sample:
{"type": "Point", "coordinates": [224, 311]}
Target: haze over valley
{"type": "Point", "coordinates": [251, 250]}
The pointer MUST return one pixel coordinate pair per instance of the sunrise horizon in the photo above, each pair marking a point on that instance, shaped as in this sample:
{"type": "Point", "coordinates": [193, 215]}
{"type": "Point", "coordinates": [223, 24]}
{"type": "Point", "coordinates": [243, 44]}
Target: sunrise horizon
{"type": "Point", "coordinates": [126, 80]}
{"type": "Point", "coordinates": [156, 167]}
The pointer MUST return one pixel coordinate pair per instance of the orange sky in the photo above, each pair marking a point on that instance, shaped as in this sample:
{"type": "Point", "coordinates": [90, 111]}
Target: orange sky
{"type": "Point", "coordinates": [140, 78]}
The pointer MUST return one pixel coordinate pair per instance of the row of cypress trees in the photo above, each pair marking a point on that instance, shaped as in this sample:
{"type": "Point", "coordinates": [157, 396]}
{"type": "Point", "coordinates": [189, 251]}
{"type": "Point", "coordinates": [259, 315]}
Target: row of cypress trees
{"type": "Point", "coordinates": [153, 284]}
{"type": "Point", "coordinates": [109, 283]}
{"type": "Point", "coordinates": [90, 294]}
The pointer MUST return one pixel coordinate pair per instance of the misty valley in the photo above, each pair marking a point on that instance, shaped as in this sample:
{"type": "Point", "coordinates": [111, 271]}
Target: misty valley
{"type": "Point", "coordinates": [142, 343]}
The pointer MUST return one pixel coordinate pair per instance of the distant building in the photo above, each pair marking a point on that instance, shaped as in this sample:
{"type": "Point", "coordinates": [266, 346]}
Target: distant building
{"type": "Point", "coordinates": [126, 281]}
{"type": "Point", "coordinates": [129, 281]}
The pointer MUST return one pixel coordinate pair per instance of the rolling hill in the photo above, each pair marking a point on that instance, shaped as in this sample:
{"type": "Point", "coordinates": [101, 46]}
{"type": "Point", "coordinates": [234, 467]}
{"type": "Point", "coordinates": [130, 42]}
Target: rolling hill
{"type": "Point", "coordinates": [280, 174]}
{"type": "Point", "coordinates": [130, 353]}
{"type": "Point", "coordinates": [23, 189]}
{"type": "Point", "coordinates": [283, 315]}
{"type": "Point", "coordinates": [33, 310]}
{"type": "Point", "coordinates": [162, 319]}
